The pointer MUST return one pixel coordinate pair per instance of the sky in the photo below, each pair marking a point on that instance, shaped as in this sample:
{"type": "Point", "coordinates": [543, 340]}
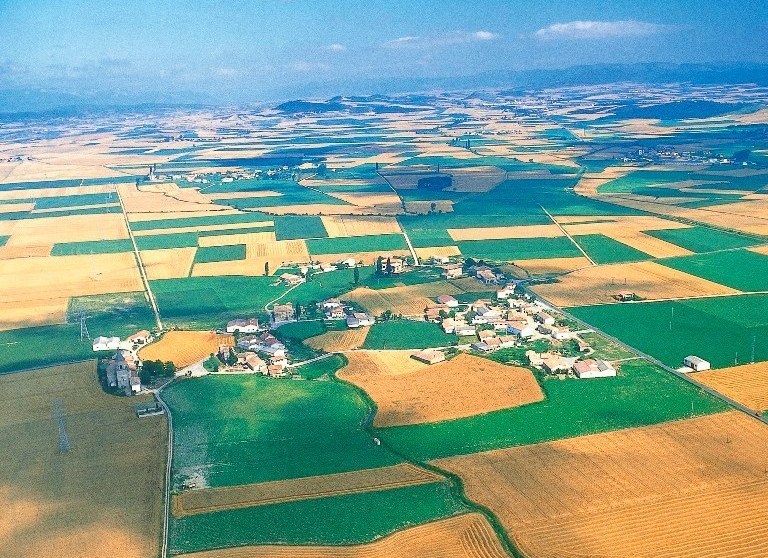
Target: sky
{"type": "Point", "coordinates": [237, 50]}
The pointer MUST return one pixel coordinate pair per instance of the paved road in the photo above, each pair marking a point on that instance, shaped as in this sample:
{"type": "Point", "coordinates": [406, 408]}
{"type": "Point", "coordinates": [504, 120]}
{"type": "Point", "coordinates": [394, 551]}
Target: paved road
{"type": "Point", "coordinates": [559, 226]}
{"type": "Point", "coordinates": [167, 487]}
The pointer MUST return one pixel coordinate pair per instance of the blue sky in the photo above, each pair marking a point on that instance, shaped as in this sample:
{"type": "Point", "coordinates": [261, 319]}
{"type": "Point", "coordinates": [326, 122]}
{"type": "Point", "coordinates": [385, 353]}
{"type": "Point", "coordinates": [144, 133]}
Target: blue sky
{"type": "Point", "coordinates": [252, 50]}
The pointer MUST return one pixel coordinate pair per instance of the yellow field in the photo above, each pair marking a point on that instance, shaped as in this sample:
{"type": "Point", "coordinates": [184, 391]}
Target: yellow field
{"type": "Point", "coordinates": [168, 263]}
{"type": "Point", "coordinates": [438, 251]}
{"type": "Point", "coordinates": [327, 209]}
{"type": "Point", "coordinates": [693, 488]}
{"type": "Point", "coordinates": [185, 347]}
{"type": "Point", "coordinates": [200, 228]}
{"type": "Point", "coordinates": [409, 300]}
{"type": "Point", "coordinates": [149, 216]}
{"type": "Point", "coordinates": [37, 193]}
{"type": "Point", "coordinates": [253, 239]}
{"type": "Point", "coordinates": [45, 231]}
{"type": "Point", "coordinates": [747, 384]}
{"type": "Point", "coordinates": [261, 494]}
{"type": "Point", "coordinates": [35, 288]}
{"type": "Point", "coordinates": [337, 225]}
{"type": "Point", "coordinates": [649, 280]}
{"type": "Point", "coordinates": [521, 231]}
{"type": "Point", "coordinates": [103, 497]}
{"type": "Point", "coordinates": [467, 385]}
{"type": "Point", "coordinates": [333, 341]}
{"type": "Point", "coordinates": [464, 536]}
{"type": "Point", "coordinates": [387, 202]}
{"type": "Point", "coordinates": [164, 198]}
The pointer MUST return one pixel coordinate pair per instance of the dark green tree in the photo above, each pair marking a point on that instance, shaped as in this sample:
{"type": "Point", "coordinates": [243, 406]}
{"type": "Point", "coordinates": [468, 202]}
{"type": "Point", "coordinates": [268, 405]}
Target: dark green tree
{"type": "Point", "coordinates": [356, 275]}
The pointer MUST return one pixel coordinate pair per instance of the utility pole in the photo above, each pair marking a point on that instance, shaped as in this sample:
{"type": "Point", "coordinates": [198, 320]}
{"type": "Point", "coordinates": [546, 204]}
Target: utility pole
{"type": "Point", "coordinates": [753, 348]}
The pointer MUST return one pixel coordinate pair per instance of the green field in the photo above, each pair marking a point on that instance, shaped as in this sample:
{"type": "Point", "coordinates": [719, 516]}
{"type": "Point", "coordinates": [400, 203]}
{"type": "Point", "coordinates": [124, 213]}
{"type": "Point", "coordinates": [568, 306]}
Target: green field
{"type": "Point", "coordinates": [740, 269]}
{"type": "Point", "coordinates": [338, 520]}
{"type": "Point", "coordinates": [92, 247]}
{"type": "Point", "coordinates": [715, 329]}
{"type": "Point", "coordinates": [703, 239]}
{"type": "Point", "coordinates": [291, 227]}
{"type": "Point", "coordinates": [161, 241]}
{"type": "Point", "coordinates": [605, 250]}
{"type": "Point", "coordinates": [406, 334]}
{"type": "Point", "coordinates": [207, 254]}
{"type": "Point", "coordinates": [55, 202]}
{"type": "Point", "coordinates": [519, 249]}
{"type": "Point", "coordinates": [292, 335]}
{"type": "Point", "coordinates": [639, 396]}
{"type": "Point", "coordinates": [209, 302]}
{"type": "Point", "coordinates": [245, 429]}
{"type": "Point", "coordinates": [352, 244]}
{"type": "Point", "coordinates": [4, 239]}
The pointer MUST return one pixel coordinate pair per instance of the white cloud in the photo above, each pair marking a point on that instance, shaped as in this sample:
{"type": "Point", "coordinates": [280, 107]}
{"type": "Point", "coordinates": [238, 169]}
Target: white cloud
{"type": "Point", "coordinates": [600, 29]}
{"type": "Point", "coordinates": [441, 40]}
{"type": "Point", "coordinates": [336, 47]}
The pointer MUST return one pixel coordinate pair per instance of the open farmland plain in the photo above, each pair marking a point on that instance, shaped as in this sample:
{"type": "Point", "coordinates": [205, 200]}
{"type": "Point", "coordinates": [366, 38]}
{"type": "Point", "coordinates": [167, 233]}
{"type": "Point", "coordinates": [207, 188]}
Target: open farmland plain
{"type": "Point", "coordinates": [179, 221]}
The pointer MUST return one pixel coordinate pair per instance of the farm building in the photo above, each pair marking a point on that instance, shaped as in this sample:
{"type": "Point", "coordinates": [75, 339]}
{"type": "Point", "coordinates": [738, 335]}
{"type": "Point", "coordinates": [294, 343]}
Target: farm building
{"type": "Point", "coordinates": [487, 276]}
{"type": "Point", "coordinates": [697, 364]}
{"type": "Point", "coordinates": [255, 363]}
{"type": "Point", "coordinates": [283, 313]}
{"type": "Point", "coordinates": [625, 296]}
{"type": "Point", "coordinates": [553, 363]}
{"type": "Point", "coordinates": [139, 338]}
{"type": "Point", "coordinates": [359, 319]}
{"type": "Point", "coordinates": [486, 334]}
{"type": "Point", "coordinates": [429, 356]}
{"type": "Point", "coordinates": [520, 328]}
{"type": "Point", "coordinates": [464, 330]}
{"type": "Point", "coordinates": [505, 292]}
{"type": "Point", "coordinates": [292, 279]}
{"type": "Point", "coordinates": [106, 343]}
{"type": "Point", "coordinates": [248, 325]}
{"type": "Point", "coordinates": [592, 368]}
{"type": "Point", "coordinates": [123, 372]}
{"type": "Point", "coordinates": [437, 260]}
{"type": "Point", "coordinates": [545, 319]}
{"type": "Point", "coordinates": [448, 300]}
{"type": "Point", "coordinates": [452, 271]}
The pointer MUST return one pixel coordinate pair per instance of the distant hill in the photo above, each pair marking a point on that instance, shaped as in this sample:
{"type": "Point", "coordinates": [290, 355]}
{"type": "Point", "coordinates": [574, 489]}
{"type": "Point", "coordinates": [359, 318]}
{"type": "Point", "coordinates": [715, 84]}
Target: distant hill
{"type": "Point", "coordinates": [293, 107]}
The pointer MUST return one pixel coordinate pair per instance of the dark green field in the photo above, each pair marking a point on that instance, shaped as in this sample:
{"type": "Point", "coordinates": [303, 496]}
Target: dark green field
{"type": "Point", "coordinates": [640, 395]}
{"type": "Point", "coordinates": [206, 254]}
{"type": "Point", "coordinates": [715, 329]}
{"type": "Point", "coordinates": [740, 269]}
{"type": "Point", "coordinates": [703, 239]}
{"type": "Point", "coordinates": [92, 247]}
{"type": "Point", "coordinates": [519, 249]}
{"type": "Point", "coordinates": [338, 520]}
{"type": "Point", "coordinates": [605, 250]}
{"type": "Point", "coordinates": [407, 334]}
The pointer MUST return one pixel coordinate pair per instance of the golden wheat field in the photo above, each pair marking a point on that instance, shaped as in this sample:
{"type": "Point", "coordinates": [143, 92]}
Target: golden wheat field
{"type": "Point", "coordinates": [332, 341]}
{"type": "Point", "coordinates": [693, 487]}
{"type": "Point", "coordinates": [520, 231]}
{"type": "Point", "coordinates": [101, 498]}
{"type": "Point", "coordinates": [232, 497]}
{"type": "Point", "coordinates": [551, 266]}
{"type": "Point", "coordinates": [461, 387]}
{"type": "Point", "coordinates": [464, 536]}
{"type": "Point", "coordinates": [649, 280]}
{"type": "Point", "coordinates": [408, 300]}
{"type": "Point", "coordinates": [168, 263]}
{"type": "Point", "coordinates": [747, 384]}
{"type": "Point", "coordinates": [340, 225]}
{"type": "Point", "coordinates": [185, 347]}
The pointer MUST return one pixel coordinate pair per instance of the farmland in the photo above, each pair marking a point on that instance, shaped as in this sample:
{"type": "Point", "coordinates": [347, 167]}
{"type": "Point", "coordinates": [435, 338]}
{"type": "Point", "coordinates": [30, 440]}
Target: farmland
{"type": "Point", "coordinates": [185, 347]}
{"type": "Point", "coordinates": [462, 387]}
{"type": "Point", "coordinates": [100, 498]}
{"type": "Point", "coordinates": [624, 507]}
{"type": "Point", "coordinates": [406, 334]}
{"type": "Point", "coordinates": [604, 250]}
{"type": "Point", "coordinates": [747, 383]}
{"type": "Point", "coordinates": [740, 269]}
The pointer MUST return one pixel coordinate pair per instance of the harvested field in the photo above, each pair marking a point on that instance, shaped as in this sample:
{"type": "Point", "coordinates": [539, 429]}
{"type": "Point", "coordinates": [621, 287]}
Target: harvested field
{"type": "Point", "coordinates": [423, 207]}
{"type": "Point", "coordinates": [522, 231]}
{"type": "Point", "coordinates": [476, 179]}
{"type": "Point", "coordinates": [549, 266]}
{"type": "Point", "coordinates": [103, 496]}
{"type": "Point", "coordinates": [147, 216]}
{"type": "Point", "coordinates": [747, 384]}
{"type": "Point", "coordinates": [38, 285]}
{"type": "Point", "coordinates": [185, 347]}
{"type": "Point", "coordinates": [438, 251]}
{"type": "Point", "coordinates": [344, 340]}
{"type": "Point", "coordinates": [33, 313]}
{"type": "Point", "coordinates": [693, 488]}
{"type": "Point", "coordinates": [168, 263]}
{"type": "Point", "coordinates": [15, 207]}
{"type": "Point", "coordinates": [388, 202]}
{"type": "Point", "coordinates": [257, 255]}
{"type": "Point", "coordinates": [164, 198]}
{"type": "Point", "coordinates": [649, 280]}
{"type": "Point", "coordinates": [307, 488]}
{"type": "Point", "coordinates": [359, 226]}
{"type": "Point", "coordinates": [464, 536]}
{"type": "Point", "coordinates": [461, 387]}
{"type": "Point", "coordinates": [253, 239]}
{"type": "Point", "coordinates": [408, 300]}
{"type": "Point", "coordinates": [55, 192]}
{"type": "Point", "coordinates": [69, 228]}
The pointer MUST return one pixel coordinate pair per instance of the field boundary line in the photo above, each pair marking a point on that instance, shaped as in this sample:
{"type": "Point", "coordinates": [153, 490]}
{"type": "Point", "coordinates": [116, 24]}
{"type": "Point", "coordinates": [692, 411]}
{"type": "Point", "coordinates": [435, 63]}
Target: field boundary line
{"type": "Point", "coordinates": [169, 461]}
{"type": "Point", "coordinates": [559, 226]}
{"type": "Point", "coordinates": [140, 263]}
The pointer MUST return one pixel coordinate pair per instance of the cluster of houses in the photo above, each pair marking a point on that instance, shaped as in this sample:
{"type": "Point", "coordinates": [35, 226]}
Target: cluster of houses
{"type": "Point", "coordinates": [334, 309]}
{"type": "Point", "coordinates": [123, 368]}
{"type": "Point", "coordinates": [257, 350]}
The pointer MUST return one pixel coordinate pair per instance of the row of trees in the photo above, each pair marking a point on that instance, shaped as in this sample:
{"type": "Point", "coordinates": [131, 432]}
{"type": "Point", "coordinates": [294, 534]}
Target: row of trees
{"type": "Point", "coordinates": [151, 369]}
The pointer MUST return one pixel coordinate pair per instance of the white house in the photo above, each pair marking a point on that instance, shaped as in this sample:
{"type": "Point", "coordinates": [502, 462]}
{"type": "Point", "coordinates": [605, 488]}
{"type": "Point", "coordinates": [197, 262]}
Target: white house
{"type": "Point", "coordinates": [521, 328]}
{"type": "Point", "coordinates": [249, 325]}
{"type": "Point", "coordinates": [464, 330]}
{"type": "Point", "coordinates": [359, 319]}
{"type": "Point", "coordinates": [429, 356]}
{"type": "Point", "coordinates": [448, 300]}
{"type": "Point", "coordinates": [696, 363]}
{"type": "Point", "coordinates": [593, 368]}
{"type": "Point", "coordinates": [544, 318]}
{"type": "Point", "coordinates": [106, 343]}
{"type": "Point", "coordinates": [452, 271]}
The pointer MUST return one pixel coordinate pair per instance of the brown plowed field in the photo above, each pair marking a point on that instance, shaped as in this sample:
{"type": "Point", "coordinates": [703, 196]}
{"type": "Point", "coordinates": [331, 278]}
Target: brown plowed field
{"type": "Point", "coordinates": [185, 347]}
{"type": "Point", "coordinates": [747, 384]}
{"type": "Point", "coordinates": [689, 488]}
{"type": "Point", "coordinates": [266, 493]}
{"type": "Point", "coordinates": [464, 536]}
{"type": "Point", "coordinates": [408, 392]}
{"type": "Point", "coordinates": [345, 340]}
